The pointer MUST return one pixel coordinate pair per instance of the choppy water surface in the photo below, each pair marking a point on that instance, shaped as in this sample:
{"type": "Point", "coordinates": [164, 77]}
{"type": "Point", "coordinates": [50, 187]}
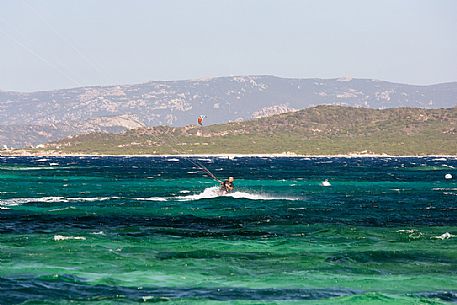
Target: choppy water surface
{"type": "Point", "coordinates": [116, 230]}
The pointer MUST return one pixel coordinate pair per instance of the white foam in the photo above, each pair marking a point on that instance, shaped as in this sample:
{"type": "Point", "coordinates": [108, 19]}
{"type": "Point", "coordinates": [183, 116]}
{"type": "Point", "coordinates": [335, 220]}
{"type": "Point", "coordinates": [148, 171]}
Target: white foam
{"type": "Point", "coordinates": [446, 235]}
{"type": "Point", "coordinates": [151, 198]}
{"type": "Point", "coordinates": [22, 168]}
{"type": "Point", "coordinates": [214, 192]}
{"type": "Point", "coordinates": [205, 160]}
{"type": "Point", "coordinates": [63, 209]}
{"type": "Point", "coordinates": [19, 201]}
{"type": "Point", "coordinates": [90, 199]}
{"type": "Point", "coordinates": [98, 233]}
{"type": "Point", "coordinates": [415, 234]}
{"type": "Point", "coordinates": [325, 183]}
{"type": "Point", "coordinates": [173, 160]}
{"type": "Point", "coordinates": [61, 237]}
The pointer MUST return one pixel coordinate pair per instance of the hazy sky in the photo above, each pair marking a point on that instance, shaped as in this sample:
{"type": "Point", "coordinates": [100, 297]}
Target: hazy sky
{"type": "Point", "coordinates": [48, 44]}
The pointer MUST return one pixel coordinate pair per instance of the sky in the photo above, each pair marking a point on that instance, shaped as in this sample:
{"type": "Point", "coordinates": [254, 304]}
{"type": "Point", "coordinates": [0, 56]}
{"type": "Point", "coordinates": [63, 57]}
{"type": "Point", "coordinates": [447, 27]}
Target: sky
{"type": "Point", "coordinates": [51, 44]}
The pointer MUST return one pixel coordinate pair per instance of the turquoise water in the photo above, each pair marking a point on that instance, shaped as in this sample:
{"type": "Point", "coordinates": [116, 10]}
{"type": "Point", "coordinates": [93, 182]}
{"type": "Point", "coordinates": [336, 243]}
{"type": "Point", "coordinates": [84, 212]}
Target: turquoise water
{"type": "Point", "coordinates": [116, 230]}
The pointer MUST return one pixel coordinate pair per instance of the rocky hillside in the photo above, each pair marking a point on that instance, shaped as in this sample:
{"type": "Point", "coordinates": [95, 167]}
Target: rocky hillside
{"type": "Point", "coordinates": [320, 130]}
{"type": "Point", "coordinates": [37, 117]}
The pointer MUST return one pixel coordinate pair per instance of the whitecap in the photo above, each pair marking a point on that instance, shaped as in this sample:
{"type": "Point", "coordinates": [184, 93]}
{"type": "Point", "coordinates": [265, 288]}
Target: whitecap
{"type": "Point", "coordinates": [61, 237]}
{"type": "Point", "coordinates": [414, 234]}
{"type": "Point", "coordinates": [19, 201]}
{"type": "Point", "coordinates": [98, 233]}
{"type": "Point", "coordinates": [443, 236]}
{"type": "Point", "coordinates": [90, 199]}
{"type": "Point", "coordinates": [63, 209]}
{"type": "Point", "coordinates": [214, 192]}
{"type": "Point", "coordinates": [151, 199]}
{"type": "Point", "coordinates": [173, 160]}
{"type": "Point", "coordinates": [23, 168]}
{"type": "Point", "coordinates": [325, 183]}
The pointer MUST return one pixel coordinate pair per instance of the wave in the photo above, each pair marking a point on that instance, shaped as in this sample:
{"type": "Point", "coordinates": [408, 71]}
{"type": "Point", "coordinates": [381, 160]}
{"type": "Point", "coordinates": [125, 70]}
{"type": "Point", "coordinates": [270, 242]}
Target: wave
{"type": "Point", "coordinates": [25, 168]}
{"type": "Point", "coordinates": [19, 201]}
{"type": "Point", "coordinates": [205, 160]}
{"type": "Point", "coordinates": [151, 199]}
{"type": "Point", "coordinates": [90, 199]}
{"type": "Point", "coordinates": [173, 160]}
{"type": "Point", "coordinates": [214, 192]}
{"type": "Point", "coordinates": [446, 235]}
{"type": "Point", "coordinates": [63, 209]}
{"type": "Point", "coordinates": [68, 288]}
{"type": "Point", "coordinates": [61, 237]}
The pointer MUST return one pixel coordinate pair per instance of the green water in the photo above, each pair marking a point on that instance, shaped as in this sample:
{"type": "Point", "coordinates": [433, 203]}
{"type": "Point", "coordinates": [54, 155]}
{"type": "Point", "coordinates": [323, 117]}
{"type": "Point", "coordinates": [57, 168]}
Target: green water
{"type": "Point", "coordinates": [134, 230]}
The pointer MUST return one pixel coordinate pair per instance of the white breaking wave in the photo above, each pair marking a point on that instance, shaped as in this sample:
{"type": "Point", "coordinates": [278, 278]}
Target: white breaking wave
{"type": "Point", "coordinates": [90, 199]}
{"type": "Point", "coordinates": [446, 235]}
{"type": "Point", "coordinates": [214, 192]}
{"type": "Point", "coordinates": [151, 199]}
{"type": "Point", "coordinates": [63, 209]}
{"type": "Point", "coordinates": [61, 237]}
{"type": "Point", "coordinates": [19, 201]}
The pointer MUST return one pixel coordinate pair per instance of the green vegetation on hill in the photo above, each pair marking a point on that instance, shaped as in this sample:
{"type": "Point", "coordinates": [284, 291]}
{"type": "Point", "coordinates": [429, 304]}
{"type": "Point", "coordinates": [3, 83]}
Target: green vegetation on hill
{"type": "Point", "coordinates": [322, 130]}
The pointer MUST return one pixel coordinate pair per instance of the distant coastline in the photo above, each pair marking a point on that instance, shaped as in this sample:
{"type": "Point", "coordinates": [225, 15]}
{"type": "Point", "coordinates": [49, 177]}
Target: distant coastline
{"type": "Point", "coordinates": [319, 131]}
{"type": "Point", "coordinates": [21, 153]}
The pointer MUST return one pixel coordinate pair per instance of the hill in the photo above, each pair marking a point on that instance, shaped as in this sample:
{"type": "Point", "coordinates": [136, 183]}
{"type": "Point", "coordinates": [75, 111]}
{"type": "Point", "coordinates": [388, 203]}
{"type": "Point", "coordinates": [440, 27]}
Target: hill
{"type": "Point", "coordinates": [322, 130]}
{"type": "Point", "coordinates": [37, 117]}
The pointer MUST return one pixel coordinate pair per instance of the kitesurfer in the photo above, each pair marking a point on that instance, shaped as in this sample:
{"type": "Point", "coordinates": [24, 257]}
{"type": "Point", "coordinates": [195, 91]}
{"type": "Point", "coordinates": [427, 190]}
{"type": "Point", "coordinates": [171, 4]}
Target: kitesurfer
{"type": "Point", "coordinates": [227, 186]}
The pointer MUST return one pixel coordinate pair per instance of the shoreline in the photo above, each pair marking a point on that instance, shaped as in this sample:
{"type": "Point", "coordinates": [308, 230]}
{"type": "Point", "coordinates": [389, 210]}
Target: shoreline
{"type": "Point", "coordinates": [229, 156]}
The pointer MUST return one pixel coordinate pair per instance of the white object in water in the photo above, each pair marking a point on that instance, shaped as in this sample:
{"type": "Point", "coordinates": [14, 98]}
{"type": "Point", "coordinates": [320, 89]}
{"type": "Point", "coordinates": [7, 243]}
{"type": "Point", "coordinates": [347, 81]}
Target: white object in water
{"type": "Point", "coordinates": [61, 237]}
{"type": "Point", "coordinates": [448, 176]}
{"type": "Point", "coordinates": [446, 235]}
{"type": "Point", "coordinates": [326, 183]}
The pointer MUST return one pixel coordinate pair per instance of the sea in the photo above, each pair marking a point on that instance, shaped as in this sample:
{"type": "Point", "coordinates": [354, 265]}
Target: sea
{"type": "Point", "coordinates": [130, 230]}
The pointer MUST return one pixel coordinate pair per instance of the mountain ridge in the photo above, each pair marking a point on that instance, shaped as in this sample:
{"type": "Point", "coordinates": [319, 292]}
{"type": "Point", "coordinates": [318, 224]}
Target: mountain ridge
{"type": "Point", "coordinates": [321, 130]}
{"type": "Point", "coordinates": [179, 103]}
